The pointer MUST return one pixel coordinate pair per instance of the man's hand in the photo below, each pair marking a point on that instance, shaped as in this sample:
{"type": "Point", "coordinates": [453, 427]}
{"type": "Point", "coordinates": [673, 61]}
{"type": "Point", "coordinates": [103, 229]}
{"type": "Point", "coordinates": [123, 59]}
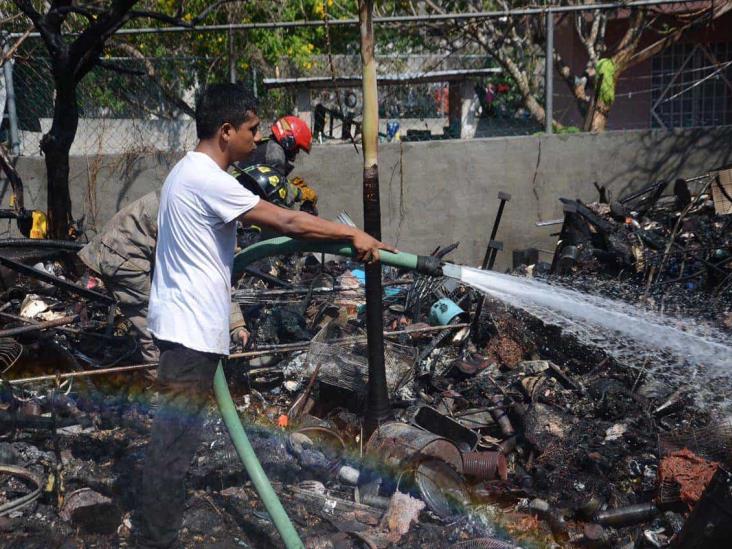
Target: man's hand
{"type": "Point", "coordinates": [241, 337]}
{"type": "Point", "coordinates": [367, 247]}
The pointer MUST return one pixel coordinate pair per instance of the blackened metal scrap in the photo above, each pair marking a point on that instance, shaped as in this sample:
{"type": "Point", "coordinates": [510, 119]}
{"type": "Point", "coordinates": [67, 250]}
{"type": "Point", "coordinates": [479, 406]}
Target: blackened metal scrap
{"type": "Point", "coordinates": [433, 421]}
{"type": "Point", "coordinates": [625, 516]}
{"type": "Point", "coordinates": [247, 354]}
{"type": "Point", "coordinates": [54, 280]}
{"type": "Point", "coordinates": [600, 223]}
{"type": "Point", "coordinates": [330, 506]}
{"type": "Point", "coordinates": [11, 422]}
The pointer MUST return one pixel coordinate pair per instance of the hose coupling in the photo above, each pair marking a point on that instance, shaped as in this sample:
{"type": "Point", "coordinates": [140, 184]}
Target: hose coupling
{"type": "Point", "coordinates": [429, 265]}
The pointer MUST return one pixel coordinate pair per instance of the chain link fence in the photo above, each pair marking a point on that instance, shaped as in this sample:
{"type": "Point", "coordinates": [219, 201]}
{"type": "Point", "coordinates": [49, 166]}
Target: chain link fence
{"type": "Point", "coordinates": [126, 104]}
{"type": "Point", "coordinates": [138, 103]}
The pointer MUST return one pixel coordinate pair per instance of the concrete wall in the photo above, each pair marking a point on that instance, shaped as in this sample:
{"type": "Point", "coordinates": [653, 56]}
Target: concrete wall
{"type": "Point", "coordinates": [436, 193]}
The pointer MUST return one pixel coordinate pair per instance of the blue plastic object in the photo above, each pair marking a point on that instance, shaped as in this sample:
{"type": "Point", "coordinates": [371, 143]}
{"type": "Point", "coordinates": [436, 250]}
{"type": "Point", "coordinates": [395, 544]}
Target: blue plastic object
{"type": "Point", "coordinates": [392, 127]}
{"type": "Point", "coordinates": [444, 311]}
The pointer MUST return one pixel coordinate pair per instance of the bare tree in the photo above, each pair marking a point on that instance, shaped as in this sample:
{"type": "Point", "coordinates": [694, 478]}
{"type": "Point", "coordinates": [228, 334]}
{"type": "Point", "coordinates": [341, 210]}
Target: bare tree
{"type": "Point", "coordinates": [517, 44]}
{"type": "Point", "coordinates": [75, 36]}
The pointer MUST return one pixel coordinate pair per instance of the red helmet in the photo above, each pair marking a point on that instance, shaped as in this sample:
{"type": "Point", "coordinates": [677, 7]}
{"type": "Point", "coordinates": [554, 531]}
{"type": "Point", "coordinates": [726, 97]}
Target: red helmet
{"type": "Point", "coordinates": [293, 134]}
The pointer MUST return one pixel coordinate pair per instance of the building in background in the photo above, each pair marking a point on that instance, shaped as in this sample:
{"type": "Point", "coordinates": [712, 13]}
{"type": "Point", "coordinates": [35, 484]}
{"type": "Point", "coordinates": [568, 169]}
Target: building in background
{"type": "Point", "coordinates": [688, 84]}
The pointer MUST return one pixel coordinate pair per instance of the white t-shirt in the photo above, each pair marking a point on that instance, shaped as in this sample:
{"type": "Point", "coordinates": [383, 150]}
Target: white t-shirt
{"type": "Point", "coordinates": [190, 298]}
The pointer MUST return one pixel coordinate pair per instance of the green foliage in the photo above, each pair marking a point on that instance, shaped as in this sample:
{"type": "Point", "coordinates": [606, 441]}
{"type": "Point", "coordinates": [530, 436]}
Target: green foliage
{"type": "Point", "coordinates": [566, 130]}
{"type": "Point", "coordinates": [606, 71]}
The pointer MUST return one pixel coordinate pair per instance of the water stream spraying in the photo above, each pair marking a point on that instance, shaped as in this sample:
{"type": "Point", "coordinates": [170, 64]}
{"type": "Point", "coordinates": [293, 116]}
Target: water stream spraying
{"type": "Point", "coordinates": [684, 348]}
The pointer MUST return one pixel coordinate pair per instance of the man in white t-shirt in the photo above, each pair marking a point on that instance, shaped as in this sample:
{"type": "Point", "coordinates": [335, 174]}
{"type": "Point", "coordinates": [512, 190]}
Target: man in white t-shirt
{"type": "Point", "coordinates": [190, 295]}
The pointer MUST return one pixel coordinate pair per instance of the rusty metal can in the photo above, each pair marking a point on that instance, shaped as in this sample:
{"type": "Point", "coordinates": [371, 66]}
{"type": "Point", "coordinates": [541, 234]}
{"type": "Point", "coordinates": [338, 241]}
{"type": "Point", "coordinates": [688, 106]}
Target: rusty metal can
{"type": "Point", "coordinates": [485, 465]}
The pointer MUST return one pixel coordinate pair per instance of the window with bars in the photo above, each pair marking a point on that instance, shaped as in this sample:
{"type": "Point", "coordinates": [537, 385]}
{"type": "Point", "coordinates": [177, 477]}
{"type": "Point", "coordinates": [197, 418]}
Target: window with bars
{"type": "Point", "coordinates": [692, 86]}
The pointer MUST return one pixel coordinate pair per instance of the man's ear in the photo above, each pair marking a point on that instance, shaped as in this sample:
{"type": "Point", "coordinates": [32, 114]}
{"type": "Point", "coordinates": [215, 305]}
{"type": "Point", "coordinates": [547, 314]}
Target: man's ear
{"type": "Point", "coordinates": [226, 131]}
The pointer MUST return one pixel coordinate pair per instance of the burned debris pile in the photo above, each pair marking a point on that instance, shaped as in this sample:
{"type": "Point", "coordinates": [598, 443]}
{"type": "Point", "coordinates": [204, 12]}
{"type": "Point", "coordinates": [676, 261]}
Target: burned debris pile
{"type": "Point", "coordinates": [506, 430]}
{"type": "Point", "coordinates": [677, 235]}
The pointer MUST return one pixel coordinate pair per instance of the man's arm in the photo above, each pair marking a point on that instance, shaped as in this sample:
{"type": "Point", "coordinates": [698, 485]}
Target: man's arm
{"type": "Point", "coordinates": [308, 227]}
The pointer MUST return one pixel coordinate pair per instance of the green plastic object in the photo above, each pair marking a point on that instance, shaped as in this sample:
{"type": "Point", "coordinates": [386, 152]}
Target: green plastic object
{"type": "Point", "coordinates": [606, 69]}
{"type": "Point", "coordinates": [249, 458]}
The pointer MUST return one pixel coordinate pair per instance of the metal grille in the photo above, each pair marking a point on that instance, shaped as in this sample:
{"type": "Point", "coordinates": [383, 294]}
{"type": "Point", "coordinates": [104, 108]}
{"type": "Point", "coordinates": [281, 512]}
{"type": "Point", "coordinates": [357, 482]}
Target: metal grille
{"type": "Point", "coordinates": [692, 86]}
{"type": "Point", "coordinates": [345, 364]}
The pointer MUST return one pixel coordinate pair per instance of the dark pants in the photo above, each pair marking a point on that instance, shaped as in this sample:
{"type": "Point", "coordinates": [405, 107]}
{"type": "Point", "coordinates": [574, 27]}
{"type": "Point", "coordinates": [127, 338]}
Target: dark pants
{"type": "Point", "coordinates": [185, 383]}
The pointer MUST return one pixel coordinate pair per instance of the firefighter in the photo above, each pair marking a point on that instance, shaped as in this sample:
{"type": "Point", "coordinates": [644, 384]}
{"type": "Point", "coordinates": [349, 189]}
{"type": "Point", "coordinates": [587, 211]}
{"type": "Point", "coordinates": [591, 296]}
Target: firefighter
{"type": "Point", "coordinates": [290, 135]}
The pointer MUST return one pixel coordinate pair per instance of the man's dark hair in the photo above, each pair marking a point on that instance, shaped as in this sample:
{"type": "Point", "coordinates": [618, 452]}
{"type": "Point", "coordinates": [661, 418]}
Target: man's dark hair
{"type": "Point", "coordinates": [222, 103]}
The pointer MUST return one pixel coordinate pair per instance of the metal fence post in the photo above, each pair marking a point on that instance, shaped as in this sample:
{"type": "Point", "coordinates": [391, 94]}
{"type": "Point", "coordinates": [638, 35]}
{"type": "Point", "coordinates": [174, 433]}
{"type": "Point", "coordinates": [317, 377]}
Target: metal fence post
{"type": "Point", "coordinates": [232, 58]}
{"type": "Point", "coordinates": [10, 98]}
{"type": "Point", "coordinates": [549, 73]}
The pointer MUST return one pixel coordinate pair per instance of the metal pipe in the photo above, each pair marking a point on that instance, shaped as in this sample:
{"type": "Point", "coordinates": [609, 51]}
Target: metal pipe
{"type": "Point", "coordinates": [10, 99]}
{"type": "Point", "coordinates": [503, 197]}
{"type": "Point", "coordinates": [489, 258]}
{"type": "Point", "coordinates": [394, 19]}
{"type": "Point", "coordinates": [625, 516]}
{"type": "Point", "coordinates": [549, 74]}
{"type": "Point", "coordinates": [68, 245]}
{"type": "Point", "coordinates": [63, 321]}
{"type": "Point", "coordinates": [54, 280]}
{"type": "Point", "coordinates": [496, 246]}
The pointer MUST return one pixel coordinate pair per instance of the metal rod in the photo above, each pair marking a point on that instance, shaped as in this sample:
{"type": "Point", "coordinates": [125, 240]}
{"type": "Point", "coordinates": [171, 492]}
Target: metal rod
{"type": "Point", "coordinates": [248, 354]}
{"type": "Point", "coordinates": [489, 258]}
{"type": "Point", "coordinates": [503, 197]}
{"type": "Point", "coordinates": [54, 280]}
{"type": "Point", "coordinates": [267, 277]}
{"type": "Point", "coordinates": [394, 19]}
{"type": "Point", "coordinates": [10, 99]}
{"type": "Point", "coordinates": [549, 74]}
{"type": "Point", "coordinates": [63, 321]}
{"type": "Point", "coordinates": [495, 248]}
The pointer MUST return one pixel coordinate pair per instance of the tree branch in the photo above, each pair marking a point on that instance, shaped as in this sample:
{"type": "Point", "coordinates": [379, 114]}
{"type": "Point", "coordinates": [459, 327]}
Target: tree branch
{"type": "Point", "coordinates": [11, 173]}
{"type": "Point", "coordinates": [163, 18]}
{"type": "Point", "coordinates": [170, 96]}
{"type": "Point", "coordinates": [56, 15]}
{"type": "Point", "coordinates": [201, 16]}
{"type": "Point", "coordinates": [119, 69]}
{"type": "Point", "coordinates": [36, 18]}
{"type": "Point", "coordinates": [717, 10]}
{"type": "Point", "coordinates": [11, 51]}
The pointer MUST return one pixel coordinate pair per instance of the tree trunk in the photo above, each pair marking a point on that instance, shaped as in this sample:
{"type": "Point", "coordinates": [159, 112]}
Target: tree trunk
{"type": "Point", "coordinates": [378, 408]}
{"type": "Point", "coordinates": [55, 146]}
{"type": "Point", "coordinates": [599, 117]}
